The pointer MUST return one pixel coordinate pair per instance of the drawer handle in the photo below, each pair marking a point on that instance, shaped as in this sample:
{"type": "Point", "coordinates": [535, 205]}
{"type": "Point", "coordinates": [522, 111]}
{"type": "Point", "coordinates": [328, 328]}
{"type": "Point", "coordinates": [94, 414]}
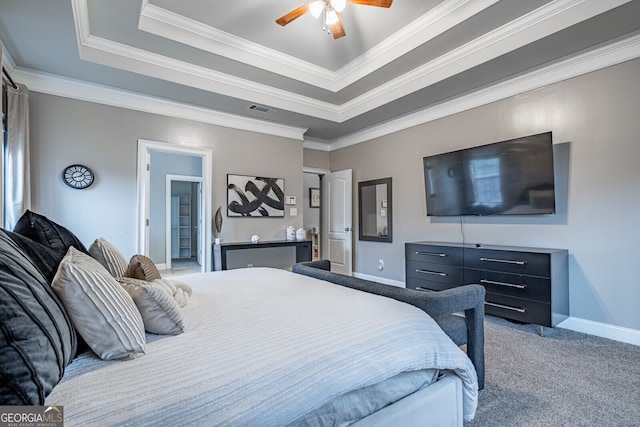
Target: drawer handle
{"type": "Point", "coordinates": [435, 273]}
{"type": "Point", "coordinates": [510, 285]}
{"type": "Point", "coordinates": [503, 261]}
{"type": "Point", "coordinates": [431, 254]}
{"type": "Point", "coordinates": [506, 307]}
{"type": "Point", "coordinates": [420, 288]}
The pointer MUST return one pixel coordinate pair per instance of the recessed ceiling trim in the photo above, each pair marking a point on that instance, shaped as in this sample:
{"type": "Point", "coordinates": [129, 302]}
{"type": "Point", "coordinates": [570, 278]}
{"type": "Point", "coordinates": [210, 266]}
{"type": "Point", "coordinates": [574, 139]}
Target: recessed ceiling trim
{"type": "Point", "coordinates": [83, 91]}
{"type": "Point", "coordinates": [440, 19]}
{"type": "Point", "coordinates": [167, 24]}
{"type": "Point", "coordinates": [606, 56]}
{"type": "Point", "coordinates": [443, 17]}
{"type": "Point", "coordinates": [546, 20]}
{"type": "Point", "coordinates": [112, 54]}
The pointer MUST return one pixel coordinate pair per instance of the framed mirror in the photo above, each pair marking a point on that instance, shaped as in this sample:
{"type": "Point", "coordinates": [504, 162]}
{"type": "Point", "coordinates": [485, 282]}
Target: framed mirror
{"type": "Point", "coordinates": [375, 210]}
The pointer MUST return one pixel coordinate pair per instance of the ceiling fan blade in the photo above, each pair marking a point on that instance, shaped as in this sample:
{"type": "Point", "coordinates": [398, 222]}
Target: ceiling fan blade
{"type": "Point", "coordinates": [337, 29]}
{"type": "Point", "coordinates": [293, 15]}
{"type": "Point", "coordinates": [378, 3]}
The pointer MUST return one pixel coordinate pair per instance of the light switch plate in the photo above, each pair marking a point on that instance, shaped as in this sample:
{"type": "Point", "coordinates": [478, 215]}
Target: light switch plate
{"type": "Point", "coordinates": [290, 200]}
{"type": "Point", "coordinates": [293, 211]}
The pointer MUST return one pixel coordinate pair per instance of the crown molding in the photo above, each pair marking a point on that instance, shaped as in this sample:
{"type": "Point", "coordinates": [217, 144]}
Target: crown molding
{"type": "Point", "coordinates": [170, 25]}
{"type": "Point", "coordinates": [316, 144]}
{"type": "Point", "coordinates": [605, 56]}
{"type": "Point", "coordinates": [546, 20]}
{"type": "Point", "coordinates": [82, 91]}
{"type": "Point", "coordinates": [596, 59]}
{"type": "Point", "coordinates": [438, 20]}
{"type": "Point", "coordinates": [552, 17]}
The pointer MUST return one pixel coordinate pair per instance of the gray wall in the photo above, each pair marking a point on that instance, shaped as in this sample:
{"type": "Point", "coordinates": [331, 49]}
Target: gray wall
{"type": "Point", "coordinates": [66, 131]}
{"type": "Point", "coordinates": [594, 119]}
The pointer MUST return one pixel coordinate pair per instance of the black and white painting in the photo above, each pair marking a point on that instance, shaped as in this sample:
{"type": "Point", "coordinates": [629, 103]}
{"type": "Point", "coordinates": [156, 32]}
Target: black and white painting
{"type": "Point", "coordinates": [255, 196]}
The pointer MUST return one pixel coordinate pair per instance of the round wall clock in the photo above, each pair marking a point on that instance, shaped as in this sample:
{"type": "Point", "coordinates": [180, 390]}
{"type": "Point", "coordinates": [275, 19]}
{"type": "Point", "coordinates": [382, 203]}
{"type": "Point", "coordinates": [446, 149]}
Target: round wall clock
{"type": "Point", "coordinates": [77, 176]}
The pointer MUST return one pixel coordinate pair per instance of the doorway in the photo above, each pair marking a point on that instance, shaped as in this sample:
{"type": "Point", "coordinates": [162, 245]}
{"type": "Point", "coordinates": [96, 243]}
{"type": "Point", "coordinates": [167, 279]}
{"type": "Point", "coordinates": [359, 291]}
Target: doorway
{"type": "Point", "coordinates": [152, 221]}
{"type": "Point", "coordinates": [183, 222]}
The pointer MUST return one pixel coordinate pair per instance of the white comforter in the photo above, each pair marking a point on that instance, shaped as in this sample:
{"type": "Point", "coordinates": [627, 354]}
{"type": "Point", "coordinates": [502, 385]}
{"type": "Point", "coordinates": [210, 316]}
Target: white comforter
{"type": "Point", "coordinates": [261, 347]}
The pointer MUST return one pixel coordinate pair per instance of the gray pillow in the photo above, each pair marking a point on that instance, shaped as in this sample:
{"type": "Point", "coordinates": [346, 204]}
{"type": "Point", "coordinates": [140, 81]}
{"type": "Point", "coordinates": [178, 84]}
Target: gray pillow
{"type": "Point", "coordinates": [37, 339]}
{"type": "Point", "coordinates": [102, 311]}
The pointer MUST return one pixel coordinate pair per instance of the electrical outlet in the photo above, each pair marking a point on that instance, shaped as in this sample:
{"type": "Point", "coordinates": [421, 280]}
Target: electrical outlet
{"type": "Point", "coordinates": [380, 264]}
{"type": "Point", "coordinates": [249, 265]}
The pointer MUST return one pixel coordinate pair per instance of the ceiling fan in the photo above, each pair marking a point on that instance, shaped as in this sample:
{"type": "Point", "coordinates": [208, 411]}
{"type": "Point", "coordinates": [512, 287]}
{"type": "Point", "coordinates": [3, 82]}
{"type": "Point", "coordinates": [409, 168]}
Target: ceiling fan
{"type": "Point", "coordinates": [331, 10]}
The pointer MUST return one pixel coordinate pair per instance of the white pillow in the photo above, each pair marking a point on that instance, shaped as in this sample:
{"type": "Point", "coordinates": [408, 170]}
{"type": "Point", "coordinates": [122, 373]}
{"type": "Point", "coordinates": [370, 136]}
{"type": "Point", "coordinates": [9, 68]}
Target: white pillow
{"type": "Point", "coordinates": [160, 312]}
{"type": "Point", "coordinates": [101, 310]}
{"type": "Point", "coordinates": [178, 290]}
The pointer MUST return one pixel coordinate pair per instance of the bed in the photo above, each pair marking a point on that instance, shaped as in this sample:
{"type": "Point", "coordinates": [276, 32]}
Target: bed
{"type": "Point", "coordinates": [258, 347]}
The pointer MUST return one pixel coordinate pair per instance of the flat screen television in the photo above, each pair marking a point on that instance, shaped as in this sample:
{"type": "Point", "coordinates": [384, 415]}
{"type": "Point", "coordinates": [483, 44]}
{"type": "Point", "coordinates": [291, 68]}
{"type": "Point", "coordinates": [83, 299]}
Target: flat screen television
{"type": "Point", "coordinates": [513, 177]}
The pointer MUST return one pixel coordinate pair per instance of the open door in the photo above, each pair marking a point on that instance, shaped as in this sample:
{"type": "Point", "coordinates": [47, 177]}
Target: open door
{"type": "Point", "coordinates": [181, 232]}
{"type": "Point", "coordinates": [337, 220]}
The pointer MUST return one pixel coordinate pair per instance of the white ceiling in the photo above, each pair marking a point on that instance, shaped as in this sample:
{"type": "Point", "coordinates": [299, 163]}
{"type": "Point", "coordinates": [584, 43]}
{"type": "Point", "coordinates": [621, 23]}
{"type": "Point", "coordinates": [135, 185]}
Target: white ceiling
{"type": "Point", "coordinates": [217, 58]}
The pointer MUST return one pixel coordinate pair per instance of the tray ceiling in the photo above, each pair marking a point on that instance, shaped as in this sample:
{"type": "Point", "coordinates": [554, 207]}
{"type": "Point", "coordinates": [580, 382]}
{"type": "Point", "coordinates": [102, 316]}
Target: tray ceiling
{"type": "Point", "coordinates": [222, 58]}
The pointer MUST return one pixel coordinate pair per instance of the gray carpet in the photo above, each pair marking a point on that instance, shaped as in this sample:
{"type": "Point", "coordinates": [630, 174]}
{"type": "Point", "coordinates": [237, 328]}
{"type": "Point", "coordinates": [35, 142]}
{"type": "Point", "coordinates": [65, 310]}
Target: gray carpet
{"type": "Point", "coordinates": [562, 379]}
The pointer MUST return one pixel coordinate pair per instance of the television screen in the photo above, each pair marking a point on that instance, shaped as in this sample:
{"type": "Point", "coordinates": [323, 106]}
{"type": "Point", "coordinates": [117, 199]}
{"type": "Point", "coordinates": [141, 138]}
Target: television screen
{"type": "Point", "coordinates": [513, 177]}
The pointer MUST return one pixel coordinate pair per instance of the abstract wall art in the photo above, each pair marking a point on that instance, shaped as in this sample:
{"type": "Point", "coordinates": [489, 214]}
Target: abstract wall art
{"type": "Point", "coordinates": [251, 196]}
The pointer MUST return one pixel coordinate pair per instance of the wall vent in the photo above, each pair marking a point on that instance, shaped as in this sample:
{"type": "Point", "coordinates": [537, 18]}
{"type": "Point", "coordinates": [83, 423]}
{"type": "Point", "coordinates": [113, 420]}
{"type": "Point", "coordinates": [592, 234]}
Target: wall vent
{"type": "Point", "coordinates": [261, 109]}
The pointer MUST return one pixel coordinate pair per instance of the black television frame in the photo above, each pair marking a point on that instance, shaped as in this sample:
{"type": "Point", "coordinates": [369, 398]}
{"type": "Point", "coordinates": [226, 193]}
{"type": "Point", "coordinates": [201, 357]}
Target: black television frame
{"type": "Point", "coordinates": [448, 182]}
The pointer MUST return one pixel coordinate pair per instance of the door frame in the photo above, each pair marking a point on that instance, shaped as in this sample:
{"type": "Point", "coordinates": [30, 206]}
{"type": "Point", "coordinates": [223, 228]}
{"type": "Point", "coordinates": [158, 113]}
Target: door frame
{"type": "Point", "coordinates": [143, 172]}
{"type": "Point", "coordinates": [182, 178]}
{"type": "Point", "coordinates": [321, 235]}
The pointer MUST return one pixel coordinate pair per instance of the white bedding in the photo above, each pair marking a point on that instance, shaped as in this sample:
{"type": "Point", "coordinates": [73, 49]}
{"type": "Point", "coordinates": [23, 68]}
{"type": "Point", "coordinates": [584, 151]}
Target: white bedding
{"type": "Point", "coordinates": [261, 347]}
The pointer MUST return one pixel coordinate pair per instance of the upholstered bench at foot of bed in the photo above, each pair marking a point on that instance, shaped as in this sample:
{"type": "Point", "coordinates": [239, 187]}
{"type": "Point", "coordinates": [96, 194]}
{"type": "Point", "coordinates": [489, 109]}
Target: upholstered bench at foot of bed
{"type": "Point", "coordinates": [442, 306]}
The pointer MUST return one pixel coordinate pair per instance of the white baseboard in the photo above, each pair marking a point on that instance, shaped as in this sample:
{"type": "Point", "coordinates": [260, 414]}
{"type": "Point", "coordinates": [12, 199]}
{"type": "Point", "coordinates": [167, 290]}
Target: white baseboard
{"type": "Point", "coordinates": [162, 266]}
{"type": "Point", "coordinates": [599, 329]}
{"type": "Point", "coordinates": [391, 282]}
{"type": "Point", "coordinates": [604, 330]}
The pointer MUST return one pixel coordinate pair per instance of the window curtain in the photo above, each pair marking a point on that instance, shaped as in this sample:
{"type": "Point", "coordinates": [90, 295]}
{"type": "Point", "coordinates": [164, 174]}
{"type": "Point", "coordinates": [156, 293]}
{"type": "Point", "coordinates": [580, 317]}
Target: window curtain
{"type": "Point", "coordinates": [17, 182]}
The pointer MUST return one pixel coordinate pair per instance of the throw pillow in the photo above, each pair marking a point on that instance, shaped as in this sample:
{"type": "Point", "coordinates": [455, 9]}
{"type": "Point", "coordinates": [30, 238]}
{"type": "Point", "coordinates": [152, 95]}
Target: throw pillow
{"type": "Point", "coordinates": [45, 258]}
{"type": "Point", "coordinates": [109, 256]}
{"type": "Point", "coordinates": [160, 312]}
{"type": "Point", "coordinates": [141, 267]}
{"type": "Point", "coordinates": [37, 339]}
{"type": "Point", "coordinates": [101, 310]}
{"type": "Point", "coordinates": [41, 229]}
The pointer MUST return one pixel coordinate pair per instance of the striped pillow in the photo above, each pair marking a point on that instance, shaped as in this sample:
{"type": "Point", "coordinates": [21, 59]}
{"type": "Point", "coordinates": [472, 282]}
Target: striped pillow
{"type": "Point", "coordinates": [141, 267]}
{"type": "Point", "coordinates": [160, 312]}
{"type": "Point", "coordinates": [101, 310]}
{"type": "Point", "coordinates": [109, 256]}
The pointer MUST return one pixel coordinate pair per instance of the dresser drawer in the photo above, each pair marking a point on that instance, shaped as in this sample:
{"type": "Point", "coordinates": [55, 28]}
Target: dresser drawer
{"type": "Point", "coordinates": [530, 263]}
{"type": "Point", "coordinates": [517, 285]}
{"type": "Point", "coordinates": [434, 254]}
{"type": "Point", "coordinates": [427, 285]}
{"type": "Point", "coordinates": [434, 272]}
{"type": "Point", "coordinates": [518, 309]}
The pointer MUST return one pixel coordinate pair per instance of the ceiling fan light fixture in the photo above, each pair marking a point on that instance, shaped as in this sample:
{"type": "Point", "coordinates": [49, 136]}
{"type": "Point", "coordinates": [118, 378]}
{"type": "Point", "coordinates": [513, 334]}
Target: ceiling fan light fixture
{"type": "Point", "coordinates": [338, 5]}
{"type": "Point", "coordinates": [331, 18]}
{"type": "Point", "coordinates": [316, 8]}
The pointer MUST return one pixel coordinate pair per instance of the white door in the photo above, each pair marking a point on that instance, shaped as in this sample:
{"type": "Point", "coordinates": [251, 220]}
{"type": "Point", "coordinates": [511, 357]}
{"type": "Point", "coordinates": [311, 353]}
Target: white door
{"type": "Point", "coordinates": [337, 220]}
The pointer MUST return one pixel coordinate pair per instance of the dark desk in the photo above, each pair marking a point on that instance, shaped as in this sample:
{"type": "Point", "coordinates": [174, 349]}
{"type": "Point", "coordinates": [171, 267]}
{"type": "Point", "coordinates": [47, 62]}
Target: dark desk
{"type": "Point", "coordinates": [303, 249]}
